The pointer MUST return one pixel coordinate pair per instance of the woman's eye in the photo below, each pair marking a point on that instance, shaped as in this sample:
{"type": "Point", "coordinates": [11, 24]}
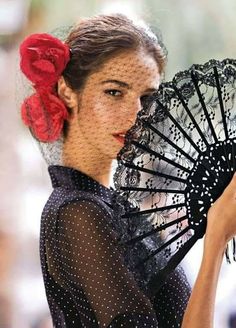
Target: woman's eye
{"type": "Point", "coordinates": [113, 92]}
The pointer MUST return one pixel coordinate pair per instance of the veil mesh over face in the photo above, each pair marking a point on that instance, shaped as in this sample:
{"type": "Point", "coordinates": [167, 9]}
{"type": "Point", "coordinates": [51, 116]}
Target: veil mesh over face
{"type": "Point", "coordinates": [52, 151]}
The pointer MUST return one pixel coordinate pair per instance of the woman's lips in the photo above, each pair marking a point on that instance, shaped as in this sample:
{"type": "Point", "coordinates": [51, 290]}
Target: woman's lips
{"type": "Point", "coordinates": [120, 137]}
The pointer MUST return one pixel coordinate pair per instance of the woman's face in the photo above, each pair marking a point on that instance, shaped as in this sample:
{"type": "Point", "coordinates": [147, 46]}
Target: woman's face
{"type": "Point", "coordinates": [112, 96]}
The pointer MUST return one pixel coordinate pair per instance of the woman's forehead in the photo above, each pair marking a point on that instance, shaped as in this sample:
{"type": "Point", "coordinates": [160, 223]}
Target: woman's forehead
{"type": "Point", "coordinates": [128, 66]}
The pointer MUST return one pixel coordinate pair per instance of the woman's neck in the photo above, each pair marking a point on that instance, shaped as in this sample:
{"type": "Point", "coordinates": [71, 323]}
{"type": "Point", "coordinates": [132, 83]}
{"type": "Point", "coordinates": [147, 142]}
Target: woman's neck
{"type": "Point", "coordinates": [80, 154]}
{"type": "Point", "coordinates": [90, 162]}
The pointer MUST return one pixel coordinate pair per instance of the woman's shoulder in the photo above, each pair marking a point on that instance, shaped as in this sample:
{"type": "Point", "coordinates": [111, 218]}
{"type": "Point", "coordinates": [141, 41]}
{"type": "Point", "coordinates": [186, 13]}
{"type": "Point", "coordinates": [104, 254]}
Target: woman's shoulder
{"type": "Point", "coordinates": [67, 209]}
{"type": "Point", "coordinates": [62, 197]}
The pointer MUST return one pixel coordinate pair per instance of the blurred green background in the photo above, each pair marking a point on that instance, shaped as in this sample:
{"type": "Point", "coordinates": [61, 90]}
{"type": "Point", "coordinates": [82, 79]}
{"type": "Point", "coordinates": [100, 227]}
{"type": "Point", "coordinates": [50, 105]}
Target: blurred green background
{"type": "Point", "coordinates": [194, 31]}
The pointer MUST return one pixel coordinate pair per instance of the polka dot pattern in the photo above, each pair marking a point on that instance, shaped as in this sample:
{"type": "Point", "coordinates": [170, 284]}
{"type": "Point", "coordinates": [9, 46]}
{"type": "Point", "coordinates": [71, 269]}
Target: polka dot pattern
{"type": "Point", "coordinates": [86, 280]}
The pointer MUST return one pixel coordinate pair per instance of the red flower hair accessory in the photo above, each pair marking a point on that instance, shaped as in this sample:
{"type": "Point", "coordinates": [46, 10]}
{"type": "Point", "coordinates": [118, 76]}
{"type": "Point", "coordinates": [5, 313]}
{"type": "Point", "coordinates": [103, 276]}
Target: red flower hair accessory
{"type": "Point", "coordinates": [43, 59]}
{"type": "Point", "coordinates": [44, 113]}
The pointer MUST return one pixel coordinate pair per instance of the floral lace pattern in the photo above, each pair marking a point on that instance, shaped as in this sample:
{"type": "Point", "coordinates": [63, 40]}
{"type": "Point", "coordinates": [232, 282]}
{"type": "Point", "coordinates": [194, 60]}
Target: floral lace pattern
{"type": "Point", "coordinates": [178, 158]}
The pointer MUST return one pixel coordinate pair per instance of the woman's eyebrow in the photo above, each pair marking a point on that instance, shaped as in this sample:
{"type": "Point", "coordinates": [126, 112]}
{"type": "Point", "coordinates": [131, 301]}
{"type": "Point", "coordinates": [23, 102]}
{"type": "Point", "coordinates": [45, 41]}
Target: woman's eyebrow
{"type": "Point", "coordinates": [126, 85]}
{"type": "Point", "coordinates": [120, 83]}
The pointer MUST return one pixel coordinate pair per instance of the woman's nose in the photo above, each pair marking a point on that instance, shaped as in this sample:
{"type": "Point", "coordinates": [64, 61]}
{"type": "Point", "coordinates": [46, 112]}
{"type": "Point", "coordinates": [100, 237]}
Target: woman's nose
{"type": "Point", "coordinates": [134, 108]}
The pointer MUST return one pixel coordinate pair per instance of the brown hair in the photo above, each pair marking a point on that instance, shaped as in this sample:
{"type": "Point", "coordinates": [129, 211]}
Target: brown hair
{"type": "Point", "coordinates": [95, 39]}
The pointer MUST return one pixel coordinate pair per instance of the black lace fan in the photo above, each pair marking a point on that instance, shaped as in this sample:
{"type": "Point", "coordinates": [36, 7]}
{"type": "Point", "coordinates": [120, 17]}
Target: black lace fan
{"type": "Point", "coordinates": [177, 159]}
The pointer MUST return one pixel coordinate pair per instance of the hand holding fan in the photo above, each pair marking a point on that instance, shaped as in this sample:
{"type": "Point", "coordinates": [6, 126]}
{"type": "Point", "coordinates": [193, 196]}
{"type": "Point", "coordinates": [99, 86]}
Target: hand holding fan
{"type": "Point", "coordinates": [178, 158]}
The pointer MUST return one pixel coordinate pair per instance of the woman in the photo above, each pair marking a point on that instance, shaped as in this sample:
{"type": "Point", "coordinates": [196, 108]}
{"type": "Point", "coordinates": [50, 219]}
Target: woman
{"type": "Point", "coordinates": [88, 92]}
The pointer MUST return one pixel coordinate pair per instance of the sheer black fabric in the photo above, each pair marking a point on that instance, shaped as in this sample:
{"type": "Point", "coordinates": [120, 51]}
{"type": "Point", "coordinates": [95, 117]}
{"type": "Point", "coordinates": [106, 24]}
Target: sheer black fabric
{"type": "Point", "coordinates": [88, 279]}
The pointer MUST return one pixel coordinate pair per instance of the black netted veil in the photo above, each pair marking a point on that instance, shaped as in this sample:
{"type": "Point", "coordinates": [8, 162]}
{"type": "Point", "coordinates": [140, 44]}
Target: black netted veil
{"type": "Point", "coordinates": [178, 158]}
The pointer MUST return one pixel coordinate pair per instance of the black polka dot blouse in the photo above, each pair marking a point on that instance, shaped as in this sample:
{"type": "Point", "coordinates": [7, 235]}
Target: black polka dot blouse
{"type": "Point", "coordinates": [88, 275]}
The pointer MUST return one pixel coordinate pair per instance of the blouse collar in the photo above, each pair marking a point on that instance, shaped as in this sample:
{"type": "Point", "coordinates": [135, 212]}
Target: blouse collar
{"type": "Point", "coordinates": [62, 176]}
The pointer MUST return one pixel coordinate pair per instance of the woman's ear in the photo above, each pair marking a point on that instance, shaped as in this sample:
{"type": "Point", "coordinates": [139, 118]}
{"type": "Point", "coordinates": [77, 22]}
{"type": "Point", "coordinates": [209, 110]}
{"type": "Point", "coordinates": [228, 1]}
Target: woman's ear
{"type": "Point", "coordinates": [68, 96]}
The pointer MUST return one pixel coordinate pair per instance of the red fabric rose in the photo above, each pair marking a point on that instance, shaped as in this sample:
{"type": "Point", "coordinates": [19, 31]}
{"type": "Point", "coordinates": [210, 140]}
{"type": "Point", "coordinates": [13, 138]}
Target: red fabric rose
{"type": "Point", "coordinates": [43, 59]}
{"type": "Point", "coordinates": [44, 113]}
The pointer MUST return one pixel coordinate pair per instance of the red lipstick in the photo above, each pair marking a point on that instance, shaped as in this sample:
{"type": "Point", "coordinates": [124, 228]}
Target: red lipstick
{"type": "Point", "coordinates": [120, 136]}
